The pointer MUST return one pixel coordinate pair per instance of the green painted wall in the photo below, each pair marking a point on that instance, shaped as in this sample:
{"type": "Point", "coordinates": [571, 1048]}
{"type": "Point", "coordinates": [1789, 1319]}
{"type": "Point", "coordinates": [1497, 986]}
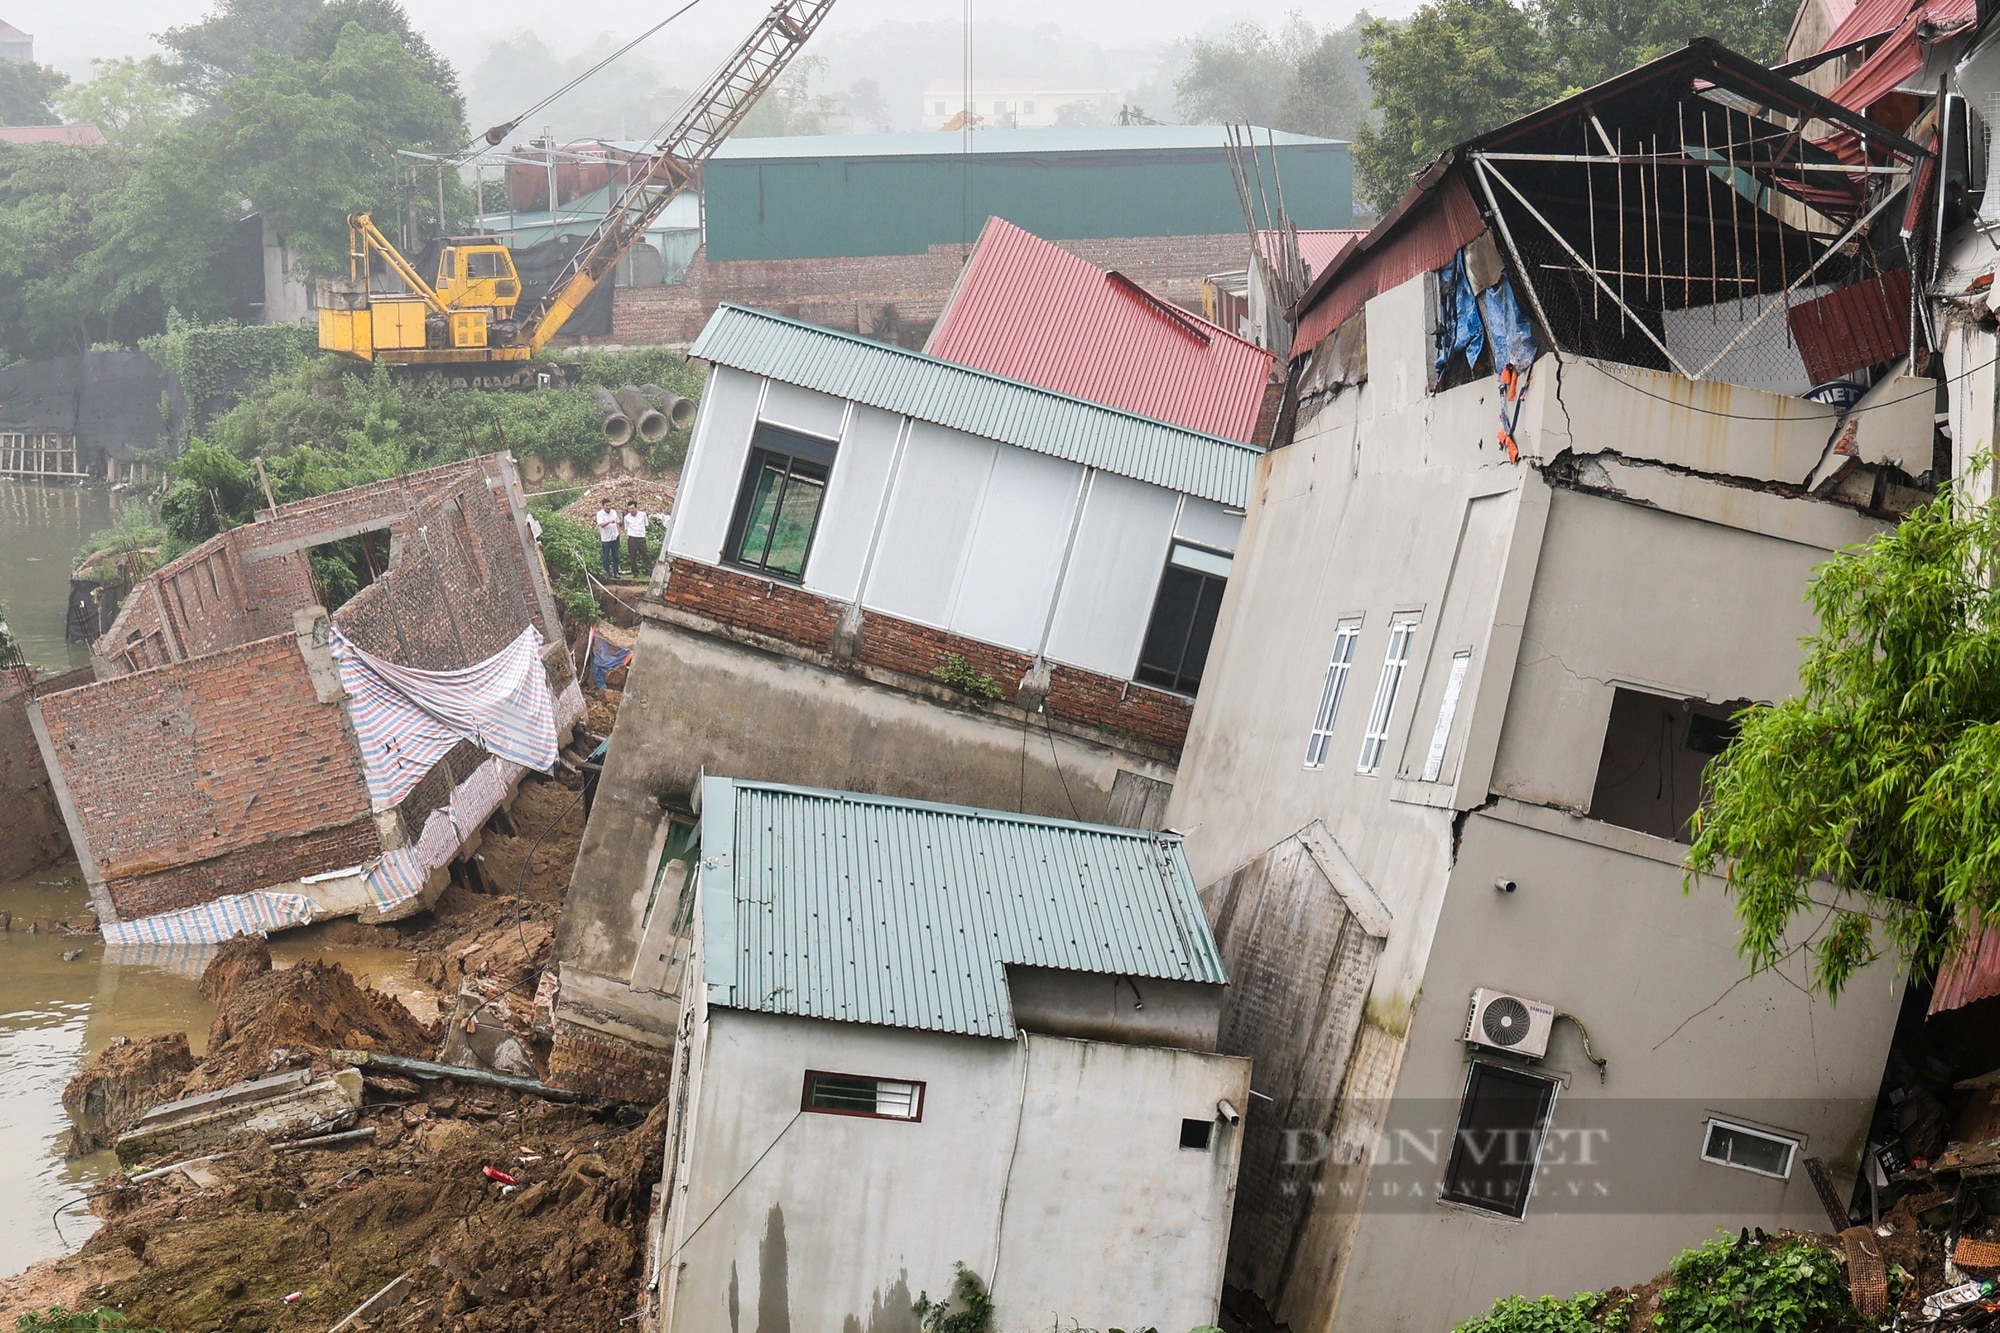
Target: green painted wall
{"type": "Point", "coordinates": [808, 208]}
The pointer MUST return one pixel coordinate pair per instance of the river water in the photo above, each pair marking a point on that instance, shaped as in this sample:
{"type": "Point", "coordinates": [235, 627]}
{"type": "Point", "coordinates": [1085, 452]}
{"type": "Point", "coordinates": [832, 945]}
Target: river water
{"type": "Point", "coordinates": [41, 526]}
{"type": "Point", "coordinates": [56, 1014]}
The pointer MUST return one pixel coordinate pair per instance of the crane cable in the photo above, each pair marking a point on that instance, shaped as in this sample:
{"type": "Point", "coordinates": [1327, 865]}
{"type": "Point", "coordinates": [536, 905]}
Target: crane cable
{"type": "Point", "coordinates": [491, 139]}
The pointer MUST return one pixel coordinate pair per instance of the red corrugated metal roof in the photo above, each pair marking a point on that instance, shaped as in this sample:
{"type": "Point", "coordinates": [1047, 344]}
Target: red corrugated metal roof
{"type": "Point", "coordinates": [1032, 311]}
{"type": "Point", "coordinates": [1909, 25]}
{"type": "Point", "coordinates": [1863, 324]}
{"type": "Point", "coordinates": [1973, 974]}
{"type": "Point", "coordinates": [1437, 222]}
{"type": "Point", "coordinates": [1318, 248]}
{"type": "Point", "coordinates": [81, 136]}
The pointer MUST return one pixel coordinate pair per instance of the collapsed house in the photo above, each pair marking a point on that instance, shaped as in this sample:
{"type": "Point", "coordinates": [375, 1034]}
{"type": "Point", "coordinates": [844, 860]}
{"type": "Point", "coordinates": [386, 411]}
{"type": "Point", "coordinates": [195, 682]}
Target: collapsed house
{"type": "Point", "coordinates": [997, 1030]}
{"type": "Point", "coordinates": [245, 760]}
{"type": "Point", "coordinates": [889, 572]}
{"type": "Point", "coordinates": [1567, 434]}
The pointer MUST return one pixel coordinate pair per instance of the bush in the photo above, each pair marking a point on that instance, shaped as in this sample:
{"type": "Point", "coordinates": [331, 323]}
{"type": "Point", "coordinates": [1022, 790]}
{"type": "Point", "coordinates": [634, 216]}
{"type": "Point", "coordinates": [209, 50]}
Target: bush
{"type": "Point", "coordinates": [1585, 1313]}
{"type": "Point", "coordinates": [56, 1319]}
{"type": "Point", "coordinates": [1727, 1287]}
{"type": "Point", "coordinates": [568, 549]}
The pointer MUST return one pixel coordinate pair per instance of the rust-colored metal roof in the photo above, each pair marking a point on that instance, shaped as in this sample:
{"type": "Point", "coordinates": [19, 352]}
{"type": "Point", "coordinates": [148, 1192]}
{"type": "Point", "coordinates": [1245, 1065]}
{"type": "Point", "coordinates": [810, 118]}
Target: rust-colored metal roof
{"type": "Point", "coordinates": [1409, 241]}
{"type": "Point", "coordinates": [1034, 312]}
{"type": "Point", "coordinates": [1863, 324]}
{"type": "Point", "coordinates": [77, 136]}
{"type": "Point", "coordinates": [1320, 248]}
{"type": "Point", "coordinates": [1911, 26]}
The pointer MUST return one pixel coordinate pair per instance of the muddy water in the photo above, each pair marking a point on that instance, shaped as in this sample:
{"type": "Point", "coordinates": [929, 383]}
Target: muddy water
{"type": "Point", "coordinates": [41, 526]}
{"type": "Point", "coordinates": [54, 1015]}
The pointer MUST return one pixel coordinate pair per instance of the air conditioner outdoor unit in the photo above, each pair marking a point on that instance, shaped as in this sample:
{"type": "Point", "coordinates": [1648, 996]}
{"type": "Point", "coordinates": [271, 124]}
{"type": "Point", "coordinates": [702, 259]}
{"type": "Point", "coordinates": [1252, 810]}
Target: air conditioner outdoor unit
{"type": "Point", "coordinates": [1510, 1023]}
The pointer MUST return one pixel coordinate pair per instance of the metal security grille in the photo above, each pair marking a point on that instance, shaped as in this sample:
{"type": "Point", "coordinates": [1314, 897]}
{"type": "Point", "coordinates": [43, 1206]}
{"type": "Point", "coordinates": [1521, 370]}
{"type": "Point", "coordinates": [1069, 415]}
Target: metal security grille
{"type": "Point", "coordinates": [1321, 739]}
{"type": "Point", "coordinates": [1401, 631]}
{"type": "Point", "coordinates": [25, 455]}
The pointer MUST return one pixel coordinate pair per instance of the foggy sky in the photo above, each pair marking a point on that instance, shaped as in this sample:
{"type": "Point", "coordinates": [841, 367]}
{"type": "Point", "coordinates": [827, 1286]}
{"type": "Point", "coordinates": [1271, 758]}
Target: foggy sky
{"type": "Point", "coordinates": [68, 33]}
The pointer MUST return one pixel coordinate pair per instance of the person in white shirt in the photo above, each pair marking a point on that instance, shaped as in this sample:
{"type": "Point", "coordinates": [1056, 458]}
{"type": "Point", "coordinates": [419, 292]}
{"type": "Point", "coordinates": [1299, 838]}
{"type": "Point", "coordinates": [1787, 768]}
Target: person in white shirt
{"type": "Point", "coordinates": [635, 539]}
{"type": "Point", "coordinates": [607, 540]}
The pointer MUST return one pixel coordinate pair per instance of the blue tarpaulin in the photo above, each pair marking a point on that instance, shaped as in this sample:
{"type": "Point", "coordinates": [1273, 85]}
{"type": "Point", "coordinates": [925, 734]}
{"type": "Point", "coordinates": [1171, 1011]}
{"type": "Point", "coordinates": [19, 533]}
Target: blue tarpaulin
{"type": "Point", "coordinates": [1507, 329]}
{"type": "Point", "coordinates": [1461, 331]}
{"type": "Point", "coordinates": [606, 658]}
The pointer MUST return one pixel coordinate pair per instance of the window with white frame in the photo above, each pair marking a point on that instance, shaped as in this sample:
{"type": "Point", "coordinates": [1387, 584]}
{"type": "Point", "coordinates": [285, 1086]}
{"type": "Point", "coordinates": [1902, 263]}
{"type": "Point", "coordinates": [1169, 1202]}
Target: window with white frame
{"type": "Point", "coordinates": [1729, 1144]}
{"type": "Point", "coordinates": [853, 1094]}
{"type": "Point", "coordinates": [1321, 740]}
{"type": "Point", "coordinates": [1402, 632]}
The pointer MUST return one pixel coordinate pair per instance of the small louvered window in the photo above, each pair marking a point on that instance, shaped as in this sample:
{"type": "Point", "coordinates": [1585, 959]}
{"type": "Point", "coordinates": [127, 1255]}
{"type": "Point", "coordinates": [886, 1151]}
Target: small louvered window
{"type": "Point", "coordinates": [853, 1094]}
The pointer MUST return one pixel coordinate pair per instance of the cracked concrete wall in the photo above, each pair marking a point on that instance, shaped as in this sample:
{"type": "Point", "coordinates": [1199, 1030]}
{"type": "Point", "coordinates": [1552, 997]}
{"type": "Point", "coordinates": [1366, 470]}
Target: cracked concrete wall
{"type": "Point", "coordinates": [1600, 928]}
{"type": "Point", "coordinates": [1641, 540]}
{"type": "Point", "coordinates": [1627, 595]}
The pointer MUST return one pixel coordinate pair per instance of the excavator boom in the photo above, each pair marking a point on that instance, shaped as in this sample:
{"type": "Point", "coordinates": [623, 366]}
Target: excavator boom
{"type": "Point", "coordinates": [676, 161]}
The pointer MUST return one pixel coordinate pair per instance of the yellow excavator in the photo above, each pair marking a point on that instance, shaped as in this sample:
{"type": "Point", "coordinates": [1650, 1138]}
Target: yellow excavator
{"type": "Point", "coordinates": [467, 322]}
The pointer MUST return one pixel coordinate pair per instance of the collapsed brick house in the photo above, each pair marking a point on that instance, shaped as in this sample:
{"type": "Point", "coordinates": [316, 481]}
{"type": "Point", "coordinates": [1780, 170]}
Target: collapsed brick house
{"type": "Point", "coordinates": [239, 745]}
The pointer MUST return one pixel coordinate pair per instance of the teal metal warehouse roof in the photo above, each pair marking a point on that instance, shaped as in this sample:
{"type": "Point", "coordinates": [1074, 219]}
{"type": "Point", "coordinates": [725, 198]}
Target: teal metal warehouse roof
{"type": "Point", "coordinates": [847, 365]}
{"type": "Point", "coordinates": [939, 143]}
{"type": "Point", "coordinates": [825, 196]}
{"type": "Point", "coordinates": [870, 909]}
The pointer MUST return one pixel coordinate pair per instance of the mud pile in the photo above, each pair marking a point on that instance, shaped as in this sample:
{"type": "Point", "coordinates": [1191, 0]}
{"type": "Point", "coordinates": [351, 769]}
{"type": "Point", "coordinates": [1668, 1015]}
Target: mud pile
{"type": "Point", "coordinates": [126, 1079]}
{"type": "Point", "coordinates": [563, 1250]}
{"type": "Point", "coordinates": [270, 1020]}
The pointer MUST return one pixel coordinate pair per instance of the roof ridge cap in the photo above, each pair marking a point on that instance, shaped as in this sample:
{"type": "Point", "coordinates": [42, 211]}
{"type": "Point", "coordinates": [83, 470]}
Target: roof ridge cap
{"type": "Point", "coordinates": [862, 340]}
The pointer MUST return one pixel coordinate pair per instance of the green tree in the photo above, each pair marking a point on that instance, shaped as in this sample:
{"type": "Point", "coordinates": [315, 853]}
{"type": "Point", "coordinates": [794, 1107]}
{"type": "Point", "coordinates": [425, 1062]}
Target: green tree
{"type": "Point", "coordinates": [28, 92]}
{"type": "Point", "coordinates": [1461, 67]}
{"type": "Point", "coordinates": [791, 107]}
{"type": "Point", "coordinates": [132, 101]}
{"type": "Point", "coordinates": [1878, 777]}
{"type": "Point", "coordinates": [52, 301]}
{"type": "Point", "coordinates": [310, 142]}
{"type": "Point", "coordinates": [208, 54]}
{"type": "Point", "coordinates": [1302, 78]}
{"type": "Point", "coordinates": [1457, 68]}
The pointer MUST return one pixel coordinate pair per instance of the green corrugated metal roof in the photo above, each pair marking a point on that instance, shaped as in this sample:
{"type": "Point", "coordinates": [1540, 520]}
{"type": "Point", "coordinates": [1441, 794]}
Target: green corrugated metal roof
{"type": "Point", "coordinates": [1030, 142]}
{"type": "Point", "coordinates": [847, 365]}
{"type": "Point", "coordinates": [869, 909]}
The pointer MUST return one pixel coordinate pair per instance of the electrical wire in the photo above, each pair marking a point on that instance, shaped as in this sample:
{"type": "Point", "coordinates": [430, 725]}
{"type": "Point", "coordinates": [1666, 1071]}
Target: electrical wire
{"type": "Point", "coordinates": [1746, 416]}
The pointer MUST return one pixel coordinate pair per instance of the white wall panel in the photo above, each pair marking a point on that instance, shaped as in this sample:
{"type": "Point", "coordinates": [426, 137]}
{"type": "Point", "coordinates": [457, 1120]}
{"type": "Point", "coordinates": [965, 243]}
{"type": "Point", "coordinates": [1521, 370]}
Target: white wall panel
{"type": "Point", "coordinates": [854, 496]}
{"type": "Point", "coordinates": [804, 410]}
{"type": "Point", "coordinates": [932, 508]}
{"type": "Point", "coordinates": [714, 467]}
{"type": "Point", "coordinates": [1206, 523]}
{"type": "Point", "coordinates": [1114, 570]}
{"type": "Point", "coordinates": [1017, 550]}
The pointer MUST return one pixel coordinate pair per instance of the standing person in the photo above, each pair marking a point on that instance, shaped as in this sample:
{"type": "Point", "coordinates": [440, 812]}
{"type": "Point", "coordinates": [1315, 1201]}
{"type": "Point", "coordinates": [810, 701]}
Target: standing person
{"type": "Point", "coordinates": [635, 539]}
{"type": "Point", "coordinates": [607, 539]}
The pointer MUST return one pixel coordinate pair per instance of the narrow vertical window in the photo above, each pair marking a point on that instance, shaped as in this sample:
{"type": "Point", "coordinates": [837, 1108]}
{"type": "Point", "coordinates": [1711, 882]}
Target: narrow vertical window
{"type": "Point", "coordinates": [778, 508]}
{"type": "Point", "coordinates": [1183, 623]}
{"type": "Point", "coordinates": [1402, 629]}
{"type": "Point", "coordinates": [1321, 740]}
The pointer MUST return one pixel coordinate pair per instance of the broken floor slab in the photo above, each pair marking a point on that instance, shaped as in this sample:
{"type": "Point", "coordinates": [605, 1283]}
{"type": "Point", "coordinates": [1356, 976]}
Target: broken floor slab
{"type": "Point", "coordinates": [287, 1104]}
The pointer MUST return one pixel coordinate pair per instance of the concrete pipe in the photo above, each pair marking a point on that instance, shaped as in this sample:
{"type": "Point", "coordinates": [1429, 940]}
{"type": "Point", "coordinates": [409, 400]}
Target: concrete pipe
{"type": "Point", "coordinates": [617, 426]}
{"type": "Point", "coordinates": [533, 468]}
{"type": "Point", "coordinates": [649, 421]}
{"type": "Point", "coordinates": [679, 410]}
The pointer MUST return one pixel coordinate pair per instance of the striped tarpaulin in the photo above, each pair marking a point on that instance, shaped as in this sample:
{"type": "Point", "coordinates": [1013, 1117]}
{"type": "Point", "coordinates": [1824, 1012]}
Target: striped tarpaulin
{"type": "Point", "coordinates": [212, 923]}
{"type": "Point", "coordinates": [398, 877]}
{"type": "Point", "coordinates": [407, 719]}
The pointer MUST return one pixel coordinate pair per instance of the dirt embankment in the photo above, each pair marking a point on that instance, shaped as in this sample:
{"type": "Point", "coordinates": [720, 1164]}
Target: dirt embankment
{"type": "Point", "coordinates": [270, 1238]}
{"type": "Point", "coordinates": [267, 1238]}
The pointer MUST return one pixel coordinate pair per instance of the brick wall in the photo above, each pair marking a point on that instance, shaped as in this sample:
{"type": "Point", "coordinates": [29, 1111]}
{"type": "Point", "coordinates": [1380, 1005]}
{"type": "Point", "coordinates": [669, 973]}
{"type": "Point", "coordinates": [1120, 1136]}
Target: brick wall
{"type": "Point", "coordinates": [893, 297]}
{"type": "Point", "coordinates": [588, 1061]}
{"type": "Point", "coordinates": [225, 772]}
{"type": "Point", "coordinates": [32, 834]}
{"type": "Point", "coordinates": [781, 611]}
{"type": "Point", "coordinates": [459, 587]}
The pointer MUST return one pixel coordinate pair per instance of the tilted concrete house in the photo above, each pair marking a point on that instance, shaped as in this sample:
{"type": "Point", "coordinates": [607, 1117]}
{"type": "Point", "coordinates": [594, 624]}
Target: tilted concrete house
{"type": "Point", "coordinates": [858, 525]}
{"type": "Point", "coordinates": [1538, 532]}
{"type": "Point", "coordinates": [923, 1035]}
